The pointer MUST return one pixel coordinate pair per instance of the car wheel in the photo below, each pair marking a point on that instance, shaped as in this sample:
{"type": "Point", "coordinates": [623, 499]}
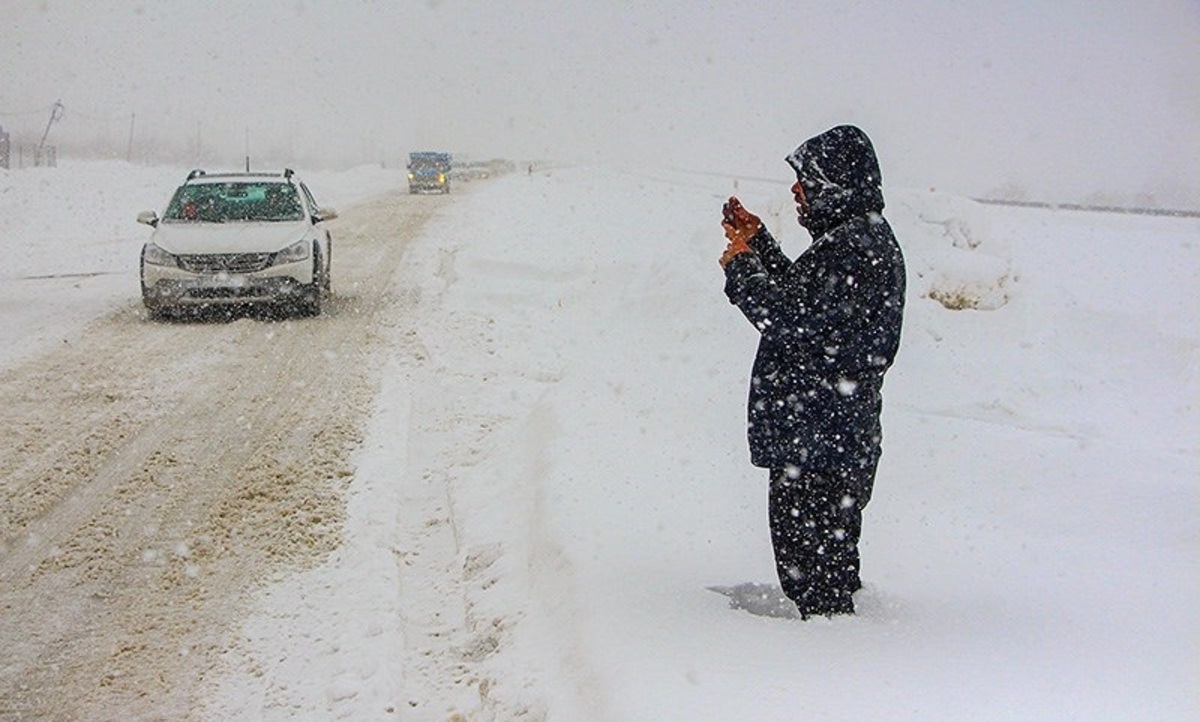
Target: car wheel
{"type": "Point", "coordinates": [328, 277]}
{"type": "Point", "coordinates": [310, 304]}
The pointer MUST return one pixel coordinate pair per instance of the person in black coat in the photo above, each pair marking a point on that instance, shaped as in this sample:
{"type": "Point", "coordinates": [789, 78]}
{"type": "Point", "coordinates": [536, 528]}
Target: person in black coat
{"type": "Point", "coordinates": [830, 327]}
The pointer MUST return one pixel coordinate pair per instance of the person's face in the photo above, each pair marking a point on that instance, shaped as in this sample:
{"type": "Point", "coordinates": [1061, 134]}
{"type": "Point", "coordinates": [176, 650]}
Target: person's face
{"type": "Point", "coordinates": [801, 201]}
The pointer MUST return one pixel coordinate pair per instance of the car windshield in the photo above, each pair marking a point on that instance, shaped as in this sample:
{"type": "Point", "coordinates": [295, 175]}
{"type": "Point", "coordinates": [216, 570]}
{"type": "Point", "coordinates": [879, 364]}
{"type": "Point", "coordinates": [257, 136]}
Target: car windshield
{"type": "Point", "coordinates": [428, 162]}
{"type": "Point", "coordinates": [235, 202]}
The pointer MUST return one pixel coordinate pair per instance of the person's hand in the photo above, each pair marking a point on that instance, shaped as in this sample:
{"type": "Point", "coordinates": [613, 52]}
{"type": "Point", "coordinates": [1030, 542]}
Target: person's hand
{"type": "Point", "coordinates": [740, 226]}
{"type": "Point", "coordinates": [736, 246]}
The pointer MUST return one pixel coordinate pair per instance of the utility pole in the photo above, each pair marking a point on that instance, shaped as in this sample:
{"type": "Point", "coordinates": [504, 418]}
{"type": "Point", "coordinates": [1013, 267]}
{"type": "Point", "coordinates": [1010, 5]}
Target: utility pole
{"type": "Point", "coordinates": [56, 113]}
{"type": "Point", "coordinates": [129, 148]}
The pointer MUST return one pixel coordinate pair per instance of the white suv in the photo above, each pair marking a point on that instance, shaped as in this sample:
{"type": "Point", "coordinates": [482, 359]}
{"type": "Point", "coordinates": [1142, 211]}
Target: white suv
{"type": "Point", "coordinates": [237, 238]}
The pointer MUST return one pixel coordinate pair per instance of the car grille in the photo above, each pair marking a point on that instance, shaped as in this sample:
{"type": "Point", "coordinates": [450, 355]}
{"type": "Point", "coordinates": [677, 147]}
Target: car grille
{"type": "Point", "coordinates": [228, 262]}
{"type": "Point", "coordinates": [225, 293]}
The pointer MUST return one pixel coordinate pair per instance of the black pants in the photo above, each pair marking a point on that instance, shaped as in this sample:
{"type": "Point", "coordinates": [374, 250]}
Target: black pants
{"type": "Point", "coordinates": [816, 521]}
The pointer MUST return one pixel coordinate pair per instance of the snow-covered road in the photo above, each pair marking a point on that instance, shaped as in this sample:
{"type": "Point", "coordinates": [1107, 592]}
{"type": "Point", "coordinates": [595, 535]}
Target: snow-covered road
{"type": "Point", "coordinates": [152, 473]}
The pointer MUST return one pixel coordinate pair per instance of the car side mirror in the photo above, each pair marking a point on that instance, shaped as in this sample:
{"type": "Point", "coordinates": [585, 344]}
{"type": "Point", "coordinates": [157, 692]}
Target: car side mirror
{"type": "Point", "coordinates": [325, 214]}
{"type": "Point", "coordinates": [149, 218]}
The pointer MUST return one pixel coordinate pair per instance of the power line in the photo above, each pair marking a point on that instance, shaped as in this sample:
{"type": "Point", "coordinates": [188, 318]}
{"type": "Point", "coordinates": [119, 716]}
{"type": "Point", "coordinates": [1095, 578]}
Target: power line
{"type": "Point", "coordinates": [75, 113]}
{"type": "Point", "coordinates": [96, 116]}
{"type": "Point", "coordinates": [39, 111]}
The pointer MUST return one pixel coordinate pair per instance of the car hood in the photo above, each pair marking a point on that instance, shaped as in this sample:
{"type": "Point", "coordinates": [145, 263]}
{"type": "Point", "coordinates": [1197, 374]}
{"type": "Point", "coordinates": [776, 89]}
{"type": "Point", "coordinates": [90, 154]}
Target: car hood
{"type": "Point", "coordinates": [190, 238]}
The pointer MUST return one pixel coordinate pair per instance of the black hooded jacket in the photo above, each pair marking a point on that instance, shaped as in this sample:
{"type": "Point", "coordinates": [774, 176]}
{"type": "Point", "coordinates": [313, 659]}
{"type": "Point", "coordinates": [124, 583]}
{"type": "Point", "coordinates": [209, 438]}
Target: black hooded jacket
{"type": "Point", "coordinates": [829, 322]}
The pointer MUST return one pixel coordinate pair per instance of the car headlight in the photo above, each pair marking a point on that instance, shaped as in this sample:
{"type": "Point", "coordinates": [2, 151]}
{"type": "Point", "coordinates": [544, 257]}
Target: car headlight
{"type": "Point", "coordinates": [156, 256]}
{"type": "Point", "coordinates": [298, 251]}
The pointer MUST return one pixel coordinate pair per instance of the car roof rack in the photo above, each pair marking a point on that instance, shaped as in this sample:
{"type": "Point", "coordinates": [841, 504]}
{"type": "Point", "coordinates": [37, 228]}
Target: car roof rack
{"type": "Point", "coordinates": [287, 173]}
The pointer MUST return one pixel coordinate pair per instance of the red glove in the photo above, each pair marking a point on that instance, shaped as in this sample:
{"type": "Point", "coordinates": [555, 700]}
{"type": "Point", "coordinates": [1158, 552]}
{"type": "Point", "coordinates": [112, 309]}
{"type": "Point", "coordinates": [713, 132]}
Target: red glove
{"type": "Point", "coordinates": [740, 226]}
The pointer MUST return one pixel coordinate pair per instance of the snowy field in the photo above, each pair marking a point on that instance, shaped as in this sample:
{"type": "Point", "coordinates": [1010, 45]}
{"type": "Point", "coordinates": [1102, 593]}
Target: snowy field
{"type": "Point", "coordinates": [1031, 550]}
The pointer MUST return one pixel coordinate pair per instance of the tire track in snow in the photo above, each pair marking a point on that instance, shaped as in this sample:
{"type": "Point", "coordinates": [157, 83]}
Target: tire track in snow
{"type": "Point", "coordinates": [486, 594]}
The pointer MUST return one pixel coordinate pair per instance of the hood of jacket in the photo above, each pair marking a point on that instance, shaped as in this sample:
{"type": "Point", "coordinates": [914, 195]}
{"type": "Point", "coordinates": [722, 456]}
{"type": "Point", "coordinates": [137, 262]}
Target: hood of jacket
{"type": "Point", "coordinates": [840, 176]}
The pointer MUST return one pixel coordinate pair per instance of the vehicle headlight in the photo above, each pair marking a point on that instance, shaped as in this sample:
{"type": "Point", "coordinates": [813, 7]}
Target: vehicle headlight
{"type": "Point", "coordinates": [298, 251]}
{"type": "Point", "coordinates": [156, 256]}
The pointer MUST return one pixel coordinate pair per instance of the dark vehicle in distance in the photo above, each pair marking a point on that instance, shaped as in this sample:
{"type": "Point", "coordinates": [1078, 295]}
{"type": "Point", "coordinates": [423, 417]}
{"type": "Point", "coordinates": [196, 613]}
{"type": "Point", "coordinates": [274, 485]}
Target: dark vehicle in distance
{"type": "Point", "coordinates": [428, 171]}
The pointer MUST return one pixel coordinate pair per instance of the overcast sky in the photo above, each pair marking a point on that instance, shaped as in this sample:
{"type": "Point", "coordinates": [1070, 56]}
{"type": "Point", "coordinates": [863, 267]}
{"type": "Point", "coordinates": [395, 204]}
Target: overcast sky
{"type": "Point", "coordinates": [1063, 98]}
